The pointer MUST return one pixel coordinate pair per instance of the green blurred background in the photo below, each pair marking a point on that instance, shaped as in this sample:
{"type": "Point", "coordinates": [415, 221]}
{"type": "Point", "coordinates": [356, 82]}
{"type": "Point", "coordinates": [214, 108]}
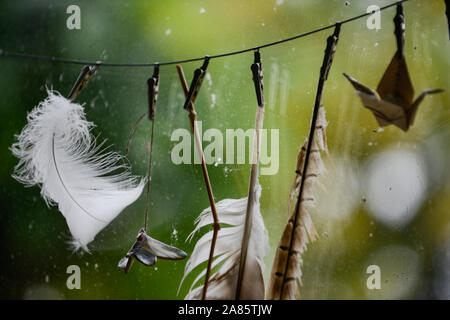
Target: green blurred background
{"type": "Point", "coordinates": [412, 249]}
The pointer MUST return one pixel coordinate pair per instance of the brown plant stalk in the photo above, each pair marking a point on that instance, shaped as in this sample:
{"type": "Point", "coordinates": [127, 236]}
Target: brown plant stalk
{"type": "Point", "coordinates": [216, 226]}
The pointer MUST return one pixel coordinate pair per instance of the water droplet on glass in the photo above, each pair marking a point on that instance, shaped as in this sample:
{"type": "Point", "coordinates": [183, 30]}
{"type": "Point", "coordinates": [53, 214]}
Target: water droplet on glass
{"type": "Point", "coordinates": [213, 100]}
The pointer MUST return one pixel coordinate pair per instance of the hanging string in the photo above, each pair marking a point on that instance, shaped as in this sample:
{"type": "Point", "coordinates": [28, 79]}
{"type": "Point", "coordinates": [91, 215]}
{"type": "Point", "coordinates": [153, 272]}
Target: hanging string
{"type": "Point", "coordinates": [152, 95]}
{"type": "Point", "coordinates": [109, 64]}
{"type": "Point", "coordinates": [149, 176]}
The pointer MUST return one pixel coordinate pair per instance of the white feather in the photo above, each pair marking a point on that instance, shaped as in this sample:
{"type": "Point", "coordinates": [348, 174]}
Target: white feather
{"type": "Point", "coordinates": [223, 283]}
{"type": "Point", "coordinates": [58, 152]}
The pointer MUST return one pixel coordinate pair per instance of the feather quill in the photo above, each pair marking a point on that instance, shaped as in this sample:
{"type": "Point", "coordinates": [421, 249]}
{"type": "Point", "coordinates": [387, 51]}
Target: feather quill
{"type": "Point", "coordinates": [57, 152]}
{"type": "Point", "coordinates": [321, 146]}
{"type": "Point", "coordinates": [305, 230]}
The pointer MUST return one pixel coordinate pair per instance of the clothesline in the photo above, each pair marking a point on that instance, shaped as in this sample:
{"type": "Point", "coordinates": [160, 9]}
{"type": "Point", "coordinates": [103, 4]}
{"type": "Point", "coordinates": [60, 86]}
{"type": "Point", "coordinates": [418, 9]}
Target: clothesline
{"type": "Point", "coordinates": [109, 64]}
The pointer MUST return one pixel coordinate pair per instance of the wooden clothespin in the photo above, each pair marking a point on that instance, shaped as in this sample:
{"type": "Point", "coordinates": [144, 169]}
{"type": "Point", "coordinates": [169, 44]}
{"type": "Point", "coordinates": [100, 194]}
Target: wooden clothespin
{"type": "Point", "coordinates": [153, 89]}
{"type": "Point", "coordinates": [86, 75]}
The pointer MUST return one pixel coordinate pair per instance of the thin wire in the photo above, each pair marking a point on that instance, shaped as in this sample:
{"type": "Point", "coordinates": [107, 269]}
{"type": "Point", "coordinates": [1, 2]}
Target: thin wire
{"type": "Point", "coordinates": [109, 64]}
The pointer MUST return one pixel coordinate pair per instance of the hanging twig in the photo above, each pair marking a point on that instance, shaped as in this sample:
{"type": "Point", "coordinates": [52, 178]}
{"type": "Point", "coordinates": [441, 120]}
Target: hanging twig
{"type": "Point", "coordinates": [241, 247]}
{"type": "Point", "coordinates": [194, 127]}
{"type": "Point", "coordinates": [328, 59]}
